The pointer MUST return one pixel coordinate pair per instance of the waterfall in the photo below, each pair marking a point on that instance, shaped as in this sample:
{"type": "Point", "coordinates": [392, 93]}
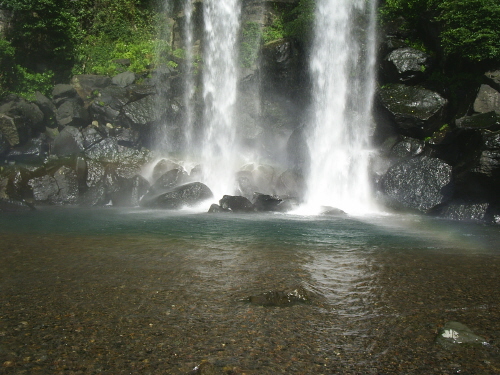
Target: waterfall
{"type": "Point", "coordinates": [189, 89]}
{"type": "Point", "coordinates": [219, 148]}
{"type": "Point", "coordinates": [342, 70]}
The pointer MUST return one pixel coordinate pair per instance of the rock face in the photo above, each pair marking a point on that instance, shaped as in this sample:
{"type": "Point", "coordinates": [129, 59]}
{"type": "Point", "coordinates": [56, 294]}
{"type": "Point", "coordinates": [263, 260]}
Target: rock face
{"type": "Point", "coordinates": [417, 184]}
{"type": "Point", "coordinates": [406, 65]}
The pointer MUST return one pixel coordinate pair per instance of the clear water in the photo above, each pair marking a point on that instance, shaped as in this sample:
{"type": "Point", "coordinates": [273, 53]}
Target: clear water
{"type": "Point", "coordinates": [117, 291]}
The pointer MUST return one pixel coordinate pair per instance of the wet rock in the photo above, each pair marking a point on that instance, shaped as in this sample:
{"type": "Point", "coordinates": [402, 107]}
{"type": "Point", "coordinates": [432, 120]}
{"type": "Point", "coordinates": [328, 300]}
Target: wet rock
{"type": "Point", "coordinates": [487, 100]}
{"type": "Point", "coordinates": [8, 129]}
{"type": "Point", "coordinates": [67, 183]}
{"type": "Point", "coordinates": [407, 147]}
{"type": "Point", "coordinates": [186, 195]}
{"type": "Point", "coordinates": [142, 112]}
{"type": "Point", "coordinates": [68, 142]}
{"type": "Point", "coordinates": [47, 107]}
{"type": "Point", "coordinates": [169, 180]}
{"type": "Point", "coordinates": [215, 208]}
{"type": "Point", "coordinates": [455, 333]}
{"type": "Point", "coordinates": [264, 202]}
{"type": "Point", "coordinates": [281, 298]}
{"type": "Point", "coordinates": [91, 136]}
{"type": "Point", "coordinates": [33, 151]}
{"type": "Point", "coordinates": [163, 166]}
{"type": "Point", "coordinates": [236, 203]}
{"type": "Point", "coordinates": [62, 93]}
{"type": "Point", "coordinates": [406, 65]}
{"type": "Point", "coordinates": [464, 211]}
{"type": "Point", "coordinates": [418, 184]}
{"type": "Point", "coordinates": [417, 112]}
{"type": "Point", "coordinates": [488, 120]}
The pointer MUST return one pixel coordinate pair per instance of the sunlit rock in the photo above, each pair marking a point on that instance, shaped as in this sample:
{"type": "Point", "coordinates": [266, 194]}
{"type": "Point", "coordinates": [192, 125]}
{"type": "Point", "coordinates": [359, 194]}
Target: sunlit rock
{"type": "Point", "coordinates": [417, 112]}
{"type": "Point", "coordinates": [406, 65]}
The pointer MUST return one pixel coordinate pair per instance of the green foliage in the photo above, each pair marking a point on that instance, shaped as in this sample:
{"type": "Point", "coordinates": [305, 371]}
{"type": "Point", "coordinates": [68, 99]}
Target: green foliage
{"type": "Point", "coordinates": [275, 31]}
{"type": "Point", "coordinates": [7, 53]}
{"type": "Point", "coordinates": [298, 22]}
{"type": "Point", "coordinates": [468, 28]}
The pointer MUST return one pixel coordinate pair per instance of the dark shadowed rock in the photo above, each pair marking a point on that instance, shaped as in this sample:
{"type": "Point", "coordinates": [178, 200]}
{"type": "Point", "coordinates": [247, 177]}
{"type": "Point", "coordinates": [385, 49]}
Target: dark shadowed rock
{"type": "Point", "coordinates": [416, 111]}
{"type": "Point", "coordinates": [264, 202]}
{"type": "Point", "coordinates": [163, 166]}
{"type": "Point", "coordinates": [169, 180]}
{"type": "Point", "coordinates": [47, 107]}
{"type": "Point", "coordinates": [407, 147]}
{"type": "Point", "coordinates": [8, 129]}
{"type": "Point", "coordinates": [63, 92]}
{"type": "Point", "coordinates": [215, 208]}
{"type": "Point", "coordinates": [489, 120]}
{"type": "Point", "coordinates": [143, 111]}
{"type": "Point", "coordinates": [418, 184]}
{"type": "Point", "coordinates": [186, 195]}
{"type": "Point", "coordinates": [86, 84]}
{"type": "Point", "coordinates": [236, 203]}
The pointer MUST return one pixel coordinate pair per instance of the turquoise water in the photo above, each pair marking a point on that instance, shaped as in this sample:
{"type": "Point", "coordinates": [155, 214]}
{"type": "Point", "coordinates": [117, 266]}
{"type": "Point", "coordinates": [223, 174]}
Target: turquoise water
{"type": "Point", "coordinates": [120, 291]}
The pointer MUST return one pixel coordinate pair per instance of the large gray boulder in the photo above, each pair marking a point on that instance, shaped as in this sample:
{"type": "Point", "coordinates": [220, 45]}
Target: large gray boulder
{"type": "Point", "coordinates": [68, 142]}
{"type": "Point", "coordinates": [418, 184]}
{"type": "Point", "coordinates": [72, 113]}
{"type": "Point", "coordinates": [406, 65]}
{"type": "Point", "coordinates": [416, 112]}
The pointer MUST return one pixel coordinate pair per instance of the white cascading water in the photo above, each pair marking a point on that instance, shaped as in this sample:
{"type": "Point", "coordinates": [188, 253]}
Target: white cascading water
{"type": "Point", "coordinates": [189, 89]}
{"type": "Point", "coordinates": [218, 149]}
{"type": "Point", "coordinates": [342, 68]}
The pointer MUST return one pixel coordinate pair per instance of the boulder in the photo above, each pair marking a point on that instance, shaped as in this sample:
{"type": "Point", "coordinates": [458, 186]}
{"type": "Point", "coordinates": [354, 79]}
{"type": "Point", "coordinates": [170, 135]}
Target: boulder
{"type": "Point", "coordinates": [72, 113]}
{"type": "Point", "coordinates": [25, 116]}
{"type": "Point", "coordinates": [264, 202]}
{"type": "Point", "coordinates": [163, 166]}
{"type": "Point", "coordinates": [62, 93]}
{"type": "Point", "coordinates": [416, 112]}
{"type": "Point", "coordinates": [86, 84]}
{"type": "Point", "coordinates": [185, 195]}
{"type": "Point", "coordinates": [169, 180]}
{"type": "Point", "coordinates": [407, 147]}
{"type": "Point", "coordinates": [67, 183]}
{"type": "Point", "coordinates": [47, 107]}
{"type": "Point", "coordinates": [236, 203]}
{"type": "Point", "coordinates": [8, 129]}
{"type": "Point", "coordinates": [123, 79]}
{"type": "Point", "coordinates": [487, 100]}
{"type": "Point", "coordinates": [4, 144]}
{"type": "Point", "coordinates": [406, 65]}
{"type": "Point", "coordinates": [33, 151]}
{"type": "Point", "coordinates": [143, 111]}
{"type": "Point", "coordinates": [417, 184]}
{"type": "Point", "coordinates": [68, 142]}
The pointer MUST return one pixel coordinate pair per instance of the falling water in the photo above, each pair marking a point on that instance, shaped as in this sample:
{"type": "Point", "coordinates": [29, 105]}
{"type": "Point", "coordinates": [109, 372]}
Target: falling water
{"type": "Point", "coordinates": [219, 92]}
{"type": "Point", "coordinates": [342, 66]}
{"type": "Point", "coordinates": [189, 80]}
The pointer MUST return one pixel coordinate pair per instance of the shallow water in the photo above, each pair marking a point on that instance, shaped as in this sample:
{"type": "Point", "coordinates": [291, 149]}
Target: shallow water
{"type": "Point", "coordinates": [116, 291]}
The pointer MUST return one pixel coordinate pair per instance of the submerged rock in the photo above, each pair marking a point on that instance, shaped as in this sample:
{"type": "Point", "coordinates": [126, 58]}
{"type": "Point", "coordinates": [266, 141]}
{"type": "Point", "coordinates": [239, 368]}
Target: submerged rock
{"type": "Point", "coordinates": [455, 333]}
{"type": "Point", "coordinates": [281, 298]}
